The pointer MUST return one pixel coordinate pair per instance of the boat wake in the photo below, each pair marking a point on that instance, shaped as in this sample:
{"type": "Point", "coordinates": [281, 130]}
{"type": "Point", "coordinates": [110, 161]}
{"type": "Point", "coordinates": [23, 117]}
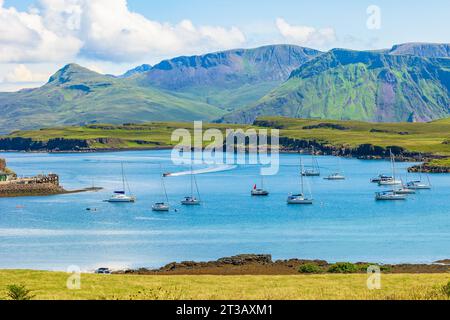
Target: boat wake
{"type": "Point", "coordinates": [212, 169]}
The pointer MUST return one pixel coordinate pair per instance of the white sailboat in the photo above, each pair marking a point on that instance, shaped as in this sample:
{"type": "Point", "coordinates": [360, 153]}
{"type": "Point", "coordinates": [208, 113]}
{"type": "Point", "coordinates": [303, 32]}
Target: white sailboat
{"type": "Point", "coordinates": [192, 200]}
{"type": "Point", "coordinates": [390, 181]}
{"type": "Point", "coordinates": [337, 175]}
{"type": "Point", "coordinates": [419, 184]}
{"type": "Point", "coordinates": [389, 196]}
{"type": "Point", "coordinates": [121, 196]}
{"type": "Point", "coordinates": [300, 198]}
{"type": "Point", "coordinates": [259, 192]}
{"type": "Point", "coordinates": [162, 206]}
{"type": "Point", "coordinates": [315, 169]}
{"type": "Point", "coordinates": [404, 189]}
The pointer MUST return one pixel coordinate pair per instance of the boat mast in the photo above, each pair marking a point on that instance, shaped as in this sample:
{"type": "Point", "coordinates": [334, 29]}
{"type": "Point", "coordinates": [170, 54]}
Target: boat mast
{"type": "Point", "coordinates": [303, 187]}
{"type": "Point", "coordinates": [123, 179]}
{"type": "Point", "coordinates": [393, 164]}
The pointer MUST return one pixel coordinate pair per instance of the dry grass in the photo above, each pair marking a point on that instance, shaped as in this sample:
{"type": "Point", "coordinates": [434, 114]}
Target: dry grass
{"type": "Point", "coordinates": [47, 285]}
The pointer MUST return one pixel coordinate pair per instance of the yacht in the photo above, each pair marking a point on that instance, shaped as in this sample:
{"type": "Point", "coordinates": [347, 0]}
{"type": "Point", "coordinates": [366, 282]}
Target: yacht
{"type": "Point", "coordinates": [381, 177]}
{"type": "Point", "coordinates": [335, 176]}
{"type": "Point", "coordinates": [315, 169]}
{"type": "Point", "coordinates": [121, 196]}
{"type": "Point", "coordinates": [390, 181]}
{"type": "Point", "coordinates": [162, 206]}
{"type": "Point", "coordinates": [192, 200]}
{"type": "Point", "coordinates": [419, 184]}
{"type": "Point", "coordinates": [259, 192]}
{"type": "Point", "coordinates": [300, 198]}
{"type": "Point", "coordinates": [389, 196]}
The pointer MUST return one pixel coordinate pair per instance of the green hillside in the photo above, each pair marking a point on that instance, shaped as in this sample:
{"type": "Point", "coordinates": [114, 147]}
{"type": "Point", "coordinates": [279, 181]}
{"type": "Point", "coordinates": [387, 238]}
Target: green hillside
{"type": "Point", "coordinates": [75, 95]}
{"type": "Point", "coordinates": [368, 86]}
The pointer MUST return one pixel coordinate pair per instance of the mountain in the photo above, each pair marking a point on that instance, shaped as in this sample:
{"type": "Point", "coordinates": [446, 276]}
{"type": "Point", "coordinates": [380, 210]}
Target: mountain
{"type": "Point", "coordinates": [182, 89]}
{"type": "Point", "coordinates": [229, 79]}
{"type": "Point", "coordinates": [357, 85]}
{"type": "Point", "coordinates": [140, 69]}
{"type": "Point", "coordinates": [75, 95]}
{"type": "Point", "coordinates": [429, 50]}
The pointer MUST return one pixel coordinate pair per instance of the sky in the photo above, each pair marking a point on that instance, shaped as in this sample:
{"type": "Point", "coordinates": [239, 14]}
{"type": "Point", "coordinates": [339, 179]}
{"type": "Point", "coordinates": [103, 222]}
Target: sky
{"type": "Point", "coordinates": [37, 37]}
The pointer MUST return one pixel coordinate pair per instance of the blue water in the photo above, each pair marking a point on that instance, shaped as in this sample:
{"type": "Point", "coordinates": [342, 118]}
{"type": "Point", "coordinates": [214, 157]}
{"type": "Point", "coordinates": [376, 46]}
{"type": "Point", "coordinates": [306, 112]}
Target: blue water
{"type": "Point", "coordinates": [345, 224]}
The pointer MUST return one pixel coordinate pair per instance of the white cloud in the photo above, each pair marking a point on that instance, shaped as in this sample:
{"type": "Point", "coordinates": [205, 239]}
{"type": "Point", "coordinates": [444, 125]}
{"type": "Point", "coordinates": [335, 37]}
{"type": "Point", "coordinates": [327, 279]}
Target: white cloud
{"type": "Point", "coordinates": [60, 30]}
{"type": "Point", "coordinates": [305, 35]}
{"type": "Point", "coordinates": [22, 74]}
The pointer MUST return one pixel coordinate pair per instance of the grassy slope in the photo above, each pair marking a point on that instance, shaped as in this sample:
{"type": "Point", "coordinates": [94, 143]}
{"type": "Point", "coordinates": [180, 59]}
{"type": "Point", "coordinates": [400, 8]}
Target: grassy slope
{"type": "Point", "coordinates": [421, 137]}
{"type": "Point", "coordinates": [359, 86]}
{"type": "Point", "coordinates": [46, 285]}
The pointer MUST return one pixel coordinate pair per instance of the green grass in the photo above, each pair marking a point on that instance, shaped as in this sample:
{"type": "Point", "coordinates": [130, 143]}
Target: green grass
{"type": "Point", "coordinates": [429, 137]}
{"type": "Point", "coordinates": [47, 285]}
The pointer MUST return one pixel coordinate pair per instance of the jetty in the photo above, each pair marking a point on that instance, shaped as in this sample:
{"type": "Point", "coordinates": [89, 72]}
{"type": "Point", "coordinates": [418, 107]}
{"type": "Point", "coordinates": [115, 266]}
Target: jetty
{"type": "Point", "coordinates": [41, 185]}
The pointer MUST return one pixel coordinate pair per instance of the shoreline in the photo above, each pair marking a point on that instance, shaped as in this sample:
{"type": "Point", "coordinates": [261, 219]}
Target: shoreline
{"type": "Point", "coordinates": [49, 194]}
{"type": "Point", "coordinates": [253, 264]}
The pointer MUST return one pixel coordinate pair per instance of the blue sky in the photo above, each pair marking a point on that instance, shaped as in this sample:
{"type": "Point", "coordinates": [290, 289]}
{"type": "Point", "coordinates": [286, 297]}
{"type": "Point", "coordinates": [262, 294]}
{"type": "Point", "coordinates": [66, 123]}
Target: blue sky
{"type": "Point", "coordinates": [113, 35]}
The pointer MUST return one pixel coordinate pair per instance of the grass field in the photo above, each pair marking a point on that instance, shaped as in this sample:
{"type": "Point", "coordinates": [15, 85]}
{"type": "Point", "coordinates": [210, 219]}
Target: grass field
{"type": "Point", "coordinates": [47, 285]}
{"type": "Point", "coordinates": [432, 137]}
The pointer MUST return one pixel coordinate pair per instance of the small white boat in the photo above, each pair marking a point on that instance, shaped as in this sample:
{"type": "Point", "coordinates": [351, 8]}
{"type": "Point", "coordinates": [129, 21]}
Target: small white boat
{"type": "Point", "coordinates": [315, 170]}
{"type": "Point", "coordinates": [418, 185]}
{"type": "Point", "coordinates": [192, 200]}
{"type": "Point", "coordinates": [121, 196]}
{"type": "Point", "coordinates": [404, 190]}
{"type": "Point", "coordinates": [381, 177]}
{"type": "Point", "coordinates": [335, 176]}
{"type": "Point", "coordinates": [300, 198]}
{"type": "Point", "coordinates": [259, 192]}
{"type": "Point", "coordinates": [390, 181]}
{"type": "Point", "coordinates": [389, 196]}
{"type": "Point", "coordinates": [161, 207]}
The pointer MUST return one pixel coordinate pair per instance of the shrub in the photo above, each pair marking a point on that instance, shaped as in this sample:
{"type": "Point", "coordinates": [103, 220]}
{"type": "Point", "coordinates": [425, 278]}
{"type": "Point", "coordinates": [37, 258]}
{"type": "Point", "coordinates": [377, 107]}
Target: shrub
{"type": "Point", "coordinates": [446, 289]}
{"type": "Point", "coordinates": [310, 268]}
{"type": "Point", "coordinates": [343, 267]}
{"type": "Point", "coordinates": [18, 292]}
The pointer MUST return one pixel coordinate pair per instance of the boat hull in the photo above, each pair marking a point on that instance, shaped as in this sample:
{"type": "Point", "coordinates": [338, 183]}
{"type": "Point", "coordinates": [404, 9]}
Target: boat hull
{"type": "Point", "coordinates": [259, 193]}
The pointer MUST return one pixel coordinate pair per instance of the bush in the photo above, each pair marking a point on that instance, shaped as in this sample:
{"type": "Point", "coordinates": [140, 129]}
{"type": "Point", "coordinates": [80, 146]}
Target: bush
{"type": "Point", "coordinates": [310, 268]}
{"type": "Point", "coordinates": [343, 267]}
{"type": "Point", "coordinates": [18, 292]}
{"type": "Point", "coordinates": [446, 289]}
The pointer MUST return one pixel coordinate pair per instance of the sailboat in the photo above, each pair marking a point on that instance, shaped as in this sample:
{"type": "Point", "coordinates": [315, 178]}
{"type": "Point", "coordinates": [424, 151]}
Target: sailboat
{"type": "Point", "coordinates": [121, 196]}
{"type": "Point", "coordinates": [389, 195]}
{"type": "Point", "coordinates": [260, 192]}
{"type": "Point", "coordinates": [315, 170]}
{"type": "Point", "coordinates": [162, 206]}
{"type": "Point", "coordinates": [404, 190]}
{"type": "Point", "coordinates": [337, 175]}
{"type": "Point", "coordinates": [390, 181]}
{"type": "Point", "coordinates": [419, 184]}
{"type": "Point", "coordinates": [191, 200]}
{"type": "Point", "coordinates": [300, 198]}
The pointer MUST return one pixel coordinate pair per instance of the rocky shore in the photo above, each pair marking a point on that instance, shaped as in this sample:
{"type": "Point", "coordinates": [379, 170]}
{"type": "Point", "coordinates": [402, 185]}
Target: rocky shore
{"type": "Point", "coordinates": [264, 265]}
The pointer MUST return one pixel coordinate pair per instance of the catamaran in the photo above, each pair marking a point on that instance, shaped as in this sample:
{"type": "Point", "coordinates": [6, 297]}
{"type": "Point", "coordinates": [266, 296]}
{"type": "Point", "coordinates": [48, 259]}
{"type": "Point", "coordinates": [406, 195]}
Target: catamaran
{"type": "Point", "coordinates": [259, 192]}
{"type": "Point", "coordinates": [192, 200]}
{"type": "Point", "coordinates": [419, 184]}
{"type": "Point", "coordinates": [162, 206]}
{"type": "Point", "coordinates": [121, 196]}
{"type": "Point", "coordinates": [315, 169]}
{"type": "Point", "coordinates": [390, 181]}
{"type": "Point", "coordinates": [300, 198]}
